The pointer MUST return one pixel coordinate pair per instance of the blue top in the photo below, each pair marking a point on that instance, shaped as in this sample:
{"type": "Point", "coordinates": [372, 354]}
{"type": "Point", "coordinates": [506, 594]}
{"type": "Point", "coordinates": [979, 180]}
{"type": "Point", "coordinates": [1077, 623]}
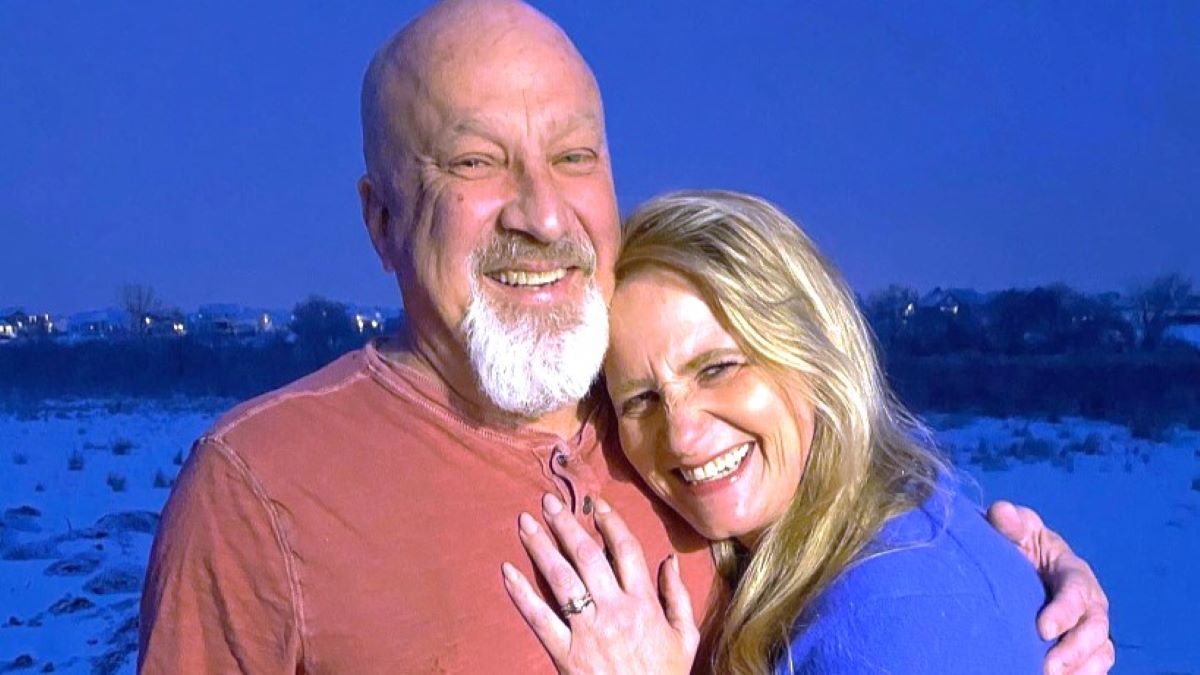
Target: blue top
{"type": "Point", "coordinates": [949, 595]}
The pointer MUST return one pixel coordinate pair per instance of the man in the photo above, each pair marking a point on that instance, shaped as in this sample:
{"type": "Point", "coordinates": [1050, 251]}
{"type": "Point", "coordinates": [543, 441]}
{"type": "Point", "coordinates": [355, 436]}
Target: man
{"type": "Point", "coordinates": [355, 520]}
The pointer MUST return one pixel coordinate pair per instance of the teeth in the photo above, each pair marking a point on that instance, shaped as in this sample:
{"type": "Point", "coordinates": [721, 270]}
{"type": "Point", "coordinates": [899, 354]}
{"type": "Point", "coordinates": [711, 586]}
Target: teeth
{"type": "Point", "coordinates": [521, 278]}
{"type": "Point", "coordinates": [718, 466]}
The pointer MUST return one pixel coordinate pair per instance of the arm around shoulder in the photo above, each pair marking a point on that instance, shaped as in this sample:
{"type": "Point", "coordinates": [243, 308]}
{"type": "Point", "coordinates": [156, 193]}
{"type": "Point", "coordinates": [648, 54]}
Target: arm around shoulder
{"type": "Point", "coordinates": [219, 593]}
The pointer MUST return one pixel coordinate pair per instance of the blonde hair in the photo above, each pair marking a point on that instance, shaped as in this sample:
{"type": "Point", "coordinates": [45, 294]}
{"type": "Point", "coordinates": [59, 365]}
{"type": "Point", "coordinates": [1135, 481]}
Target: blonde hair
{"type": "Point", "coordinates": [794, 316]}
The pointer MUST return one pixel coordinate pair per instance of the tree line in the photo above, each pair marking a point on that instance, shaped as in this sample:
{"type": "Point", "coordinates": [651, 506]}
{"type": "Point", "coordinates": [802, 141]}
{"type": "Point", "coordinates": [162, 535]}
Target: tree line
{"type": "Point", "coordinates": [1048, 351]}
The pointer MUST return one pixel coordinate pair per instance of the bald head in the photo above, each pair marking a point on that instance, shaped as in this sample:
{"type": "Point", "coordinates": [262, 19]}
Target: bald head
{"type": "Point", "coordinates": [456, 49]}
{"type": "Point", "coordinates": [489, 190]}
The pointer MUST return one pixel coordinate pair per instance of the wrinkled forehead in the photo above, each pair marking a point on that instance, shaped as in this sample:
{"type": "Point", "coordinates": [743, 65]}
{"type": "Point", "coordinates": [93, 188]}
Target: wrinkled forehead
{"type": "Point", "coordinates": [504, 81]}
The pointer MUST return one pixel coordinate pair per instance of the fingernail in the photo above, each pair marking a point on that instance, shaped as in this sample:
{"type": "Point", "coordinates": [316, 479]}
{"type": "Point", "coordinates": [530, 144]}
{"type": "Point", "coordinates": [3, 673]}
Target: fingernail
{"type": "Point", "coordinates": [551, 504]}
{"type": "Point", "coordinates": [602, 506]}
{"type": "Point", "coordinates": [675, 563]}
{"type": "Point", "coordinates": [510, 572]}
{"type": "Point", "coordinates": [528, 524]}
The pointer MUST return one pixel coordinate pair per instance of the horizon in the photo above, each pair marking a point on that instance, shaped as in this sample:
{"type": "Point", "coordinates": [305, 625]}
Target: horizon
{"type": "Point", "coordinates": [211, 152]}
{"type": "Point", "coordinates": [168, 306]}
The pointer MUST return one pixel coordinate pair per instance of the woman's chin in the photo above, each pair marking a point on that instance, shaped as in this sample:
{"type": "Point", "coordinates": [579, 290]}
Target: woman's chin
{"type": "Point", "coordinates": [715, 531]}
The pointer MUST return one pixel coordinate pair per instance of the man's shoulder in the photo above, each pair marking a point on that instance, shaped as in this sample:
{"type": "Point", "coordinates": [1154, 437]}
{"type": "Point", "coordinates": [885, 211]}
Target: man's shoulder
{"type": "Point", "coordinates": [299, 408]}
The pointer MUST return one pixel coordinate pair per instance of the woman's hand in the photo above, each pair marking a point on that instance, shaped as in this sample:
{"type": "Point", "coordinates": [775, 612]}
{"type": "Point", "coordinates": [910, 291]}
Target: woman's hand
{"type": "Point", "coordinates": [611, 618]}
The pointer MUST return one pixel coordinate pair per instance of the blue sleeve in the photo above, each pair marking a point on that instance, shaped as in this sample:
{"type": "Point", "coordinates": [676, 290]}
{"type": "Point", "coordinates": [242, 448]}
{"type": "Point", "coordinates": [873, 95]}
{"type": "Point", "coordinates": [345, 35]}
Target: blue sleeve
{"type": "Point", "coordinates": [910, 634]}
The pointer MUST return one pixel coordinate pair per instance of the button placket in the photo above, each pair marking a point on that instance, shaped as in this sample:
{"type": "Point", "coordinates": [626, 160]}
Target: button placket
{"type": "Point", "coordinates": [559, 460]}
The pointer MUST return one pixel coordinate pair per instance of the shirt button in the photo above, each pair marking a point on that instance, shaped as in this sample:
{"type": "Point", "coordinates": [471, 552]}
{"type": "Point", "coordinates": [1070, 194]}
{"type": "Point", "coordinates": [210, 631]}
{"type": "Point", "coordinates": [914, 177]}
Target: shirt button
{"type": "Point", "coordinates": [587, 505]}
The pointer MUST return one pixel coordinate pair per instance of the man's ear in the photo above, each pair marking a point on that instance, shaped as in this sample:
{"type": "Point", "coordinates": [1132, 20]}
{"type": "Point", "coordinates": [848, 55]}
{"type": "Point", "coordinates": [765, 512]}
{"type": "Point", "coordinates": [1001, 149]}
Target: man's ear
{"type": "Point", "coordinates": [379, 222]}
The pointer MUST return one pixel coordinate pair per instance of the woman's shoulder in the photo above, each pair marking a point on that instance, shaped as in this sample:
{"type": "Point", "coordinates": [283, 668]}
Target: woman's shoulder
{"type": "Point", "coordinates": [935, 588]}
{"type": "Point", "coordinates": [943, 547]}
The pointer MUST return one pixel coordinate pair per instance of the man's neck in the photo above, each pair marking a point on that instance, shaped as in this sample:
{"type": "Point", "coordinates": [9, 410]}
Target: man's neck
{"type": "Point", "coordinates": [408, 350]}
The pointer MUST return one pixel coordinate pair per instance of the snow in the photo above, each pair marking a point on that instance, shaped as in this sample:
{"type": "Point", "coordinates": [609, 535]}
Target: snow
{"type": "Point", "coordinates": [1132, 510]}
{"type": "Point", "coordinates": [73, 549]}
{"type": "Point", "coordinates": [69, 598]}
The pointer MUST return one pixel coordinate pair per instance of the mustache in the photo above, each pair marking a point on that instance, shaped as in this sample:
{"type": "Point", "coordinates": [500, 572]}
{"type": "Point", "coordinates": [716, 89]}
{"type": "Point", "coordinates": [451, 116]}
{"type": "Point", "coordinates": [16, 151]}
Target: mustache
{"type": "Point", "coordinates": [509, 250]}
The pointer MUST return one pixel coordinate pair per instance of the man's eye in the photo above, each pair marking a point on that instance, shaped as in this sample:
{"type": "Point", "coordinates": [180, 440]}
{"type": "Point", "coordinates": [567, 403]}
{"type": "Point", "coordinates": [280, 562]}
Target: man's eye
{"type": "Point", "coordinates": [576, 161]}
{"type": "Point", "coordinates": [640, 404]}
{"type": "Point", "coordinates": [473, 166]}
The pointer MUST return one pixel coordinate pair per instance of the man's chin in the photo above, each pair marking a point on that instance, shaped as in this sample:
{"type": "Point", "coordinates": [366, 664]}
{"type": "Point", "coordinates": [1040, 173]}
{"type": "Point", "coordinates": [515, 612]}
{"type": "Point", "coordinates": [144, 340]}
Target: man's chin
{"type": "Point", "coordinates": [546, 319]}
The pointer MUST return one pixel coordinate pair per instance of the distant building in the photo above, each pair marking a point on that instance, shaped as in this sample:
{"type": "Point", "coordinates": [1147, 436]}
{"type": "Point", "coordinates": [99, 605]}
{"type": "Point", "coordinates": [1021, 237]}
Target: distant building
{"type": "Point", "coordinates": [169, 324]}
{"type": "Point", "coordinates": [103, 324]}
{"type": "Point", "coordinates": [374, 320]}
{"type": "Point", "coordinates": [948, 300]}
{"type": "Point", "coordinates": [237, 322]}
{"type": "Point", "coordinates": [16, 323]}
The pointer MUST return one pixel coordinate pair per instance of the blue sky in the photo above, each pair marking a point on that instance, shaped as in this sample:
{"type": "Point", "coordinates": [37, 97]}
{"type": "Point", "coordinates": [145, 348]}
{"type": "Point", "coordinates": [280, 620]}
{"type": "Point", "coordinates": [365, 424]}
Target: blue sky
{"type": "Point", "coordinates": [210, 149]}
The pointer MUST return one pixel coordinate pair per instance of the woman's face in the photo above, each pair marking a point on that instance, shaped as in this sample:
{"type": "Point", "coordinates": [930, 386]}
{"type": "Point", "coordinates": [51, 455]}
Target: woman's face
{"type": "Point", "coordinates": [712, 434]}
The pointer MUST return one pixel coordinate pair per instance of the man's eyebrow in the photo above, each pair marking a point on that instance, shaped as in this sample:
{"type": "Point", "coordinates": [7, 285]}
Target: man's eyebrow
{"type": "Point", "coordinates": [470, 125]}
{"type": "Point", "coordinates": [577, 121]}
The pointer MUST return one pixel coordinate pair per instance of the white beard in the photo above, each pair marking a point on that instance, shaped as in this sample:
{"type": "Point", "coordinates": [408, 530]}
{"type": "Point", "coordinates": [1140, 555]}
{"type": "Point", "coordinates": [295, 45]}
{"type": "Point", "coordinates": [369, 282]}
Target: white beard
{"type": "Point", "coordinates": [529, 369]}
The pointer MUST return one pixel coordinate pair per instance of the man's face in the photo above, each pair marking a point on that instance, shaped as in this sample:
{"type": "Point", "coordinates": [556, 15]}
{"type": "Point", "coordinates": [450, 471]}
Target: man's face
{"type": "Point", "coordinates": [504, 190]}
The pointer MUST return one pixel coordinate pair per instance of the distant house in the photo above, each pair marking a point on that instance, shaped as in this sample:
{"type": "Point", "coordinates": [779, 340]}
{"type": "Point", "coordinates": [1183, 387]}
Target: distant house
{"type": "Point", "coordinates": [950, 300]}
{"type": "Point", "coordinates": [16, 323]}
{"type": "Point", "coordinates": [374, 320]}
{"type": "Point", "coordinates": [366, 320]}
{"type": "Point", "coordinates": [170, 324]}
{"type": "Point", "coordinates": [235, 321]}
{"type": "Point", "coordinates": [1189, 313]}
{"type": "Point", "coordinates": [100, 324]}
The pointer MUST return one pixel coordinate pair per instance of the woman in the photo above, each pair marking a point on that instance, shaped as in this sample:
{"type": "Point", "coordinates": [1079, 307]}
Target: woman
{"type": "Point", "coordinates": [750, 399]}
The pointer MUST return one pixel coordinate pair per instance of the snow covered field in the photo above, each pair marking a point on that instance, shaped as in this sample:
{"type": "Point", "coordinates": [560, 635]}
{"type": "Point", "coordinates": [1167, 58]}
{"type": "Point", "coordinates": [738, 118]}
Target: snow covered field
{"type": "Point", "coordinates": [81, 484]}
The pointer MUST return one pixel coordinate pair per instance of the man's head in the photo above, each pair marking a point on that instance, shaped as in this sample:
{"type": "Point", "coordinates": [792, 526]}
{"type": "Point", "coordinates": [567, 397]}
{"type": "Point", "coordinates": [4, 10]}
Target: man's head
{"type": "Point", "coordinates": [489, 192]}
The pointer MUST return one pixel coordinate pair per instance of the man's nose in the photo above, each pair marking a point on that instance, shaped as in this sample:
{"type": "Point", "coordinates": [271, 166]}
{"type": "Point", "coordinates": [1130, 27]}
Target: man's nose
{"type": "Point", "coordinates": [537, 208]}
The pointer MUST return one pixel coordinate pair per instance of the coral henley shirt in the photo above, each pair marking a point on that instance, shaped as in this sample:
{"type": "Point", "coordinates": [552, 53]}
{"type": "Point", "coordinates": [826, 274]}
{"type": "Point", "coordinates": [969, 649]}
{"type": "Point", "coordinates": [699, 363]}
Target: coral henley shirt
{"type": "Point", "coordinates": [355, 522]}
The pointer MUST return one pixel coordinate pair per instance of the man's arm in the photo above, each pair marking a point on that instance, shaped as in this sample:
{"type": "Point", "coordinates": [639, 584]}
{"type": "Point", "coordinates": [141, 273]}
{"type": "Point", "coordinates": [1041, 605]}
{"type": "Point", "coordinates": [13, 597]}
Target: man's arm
{"type": "Point", "coordinates": [1078, 608]}
{"type": "Point", "coordinates": [219, 595]}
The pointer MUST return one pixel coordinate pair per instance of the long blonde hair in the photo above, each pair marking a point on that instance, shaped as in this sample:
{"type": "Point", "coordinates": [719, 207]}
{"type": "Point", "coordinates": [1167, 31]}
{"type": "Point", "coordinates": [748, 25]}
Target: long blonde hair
{"type": "Point", "coordinates": [794, 316]}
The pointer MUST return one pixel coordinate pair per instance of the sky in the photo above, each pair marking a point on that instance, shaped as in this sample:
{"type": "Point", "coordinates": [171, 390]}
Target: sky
{"type": "Point", "coordinates": [210, 150]}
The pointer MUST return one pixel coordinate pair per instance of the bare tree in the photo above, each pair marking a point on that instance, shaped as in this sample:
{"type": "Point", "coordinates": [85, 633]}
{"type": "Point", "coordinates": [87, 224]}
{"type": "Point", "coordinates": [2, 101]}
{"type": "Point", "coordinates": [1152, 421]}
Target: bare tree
{"type": "Point", "coordinates": [139, 301]}
{"type": "Point", "coordinates": [1156, 305]}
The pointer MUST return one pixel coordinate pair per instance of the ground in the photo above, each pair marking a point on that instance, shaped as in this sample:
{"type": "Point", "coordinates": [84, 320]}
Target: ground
{"type": "Point", "coordinates": [83, 483]}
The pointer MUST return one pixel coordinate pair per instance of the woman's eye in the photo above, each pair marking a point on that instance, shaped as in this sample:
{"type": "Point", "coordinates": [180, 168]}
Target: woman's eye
{"type": "Point", "coordinates": [639, 404]}
{"type": "Point", "coordinates": [716, 370]}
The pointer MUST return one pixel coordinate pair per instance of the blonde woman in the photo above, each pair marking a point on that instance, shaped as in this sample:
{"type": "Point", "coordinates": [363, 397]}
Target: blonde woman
{"type": "Point", "coordinates": [750, 399]}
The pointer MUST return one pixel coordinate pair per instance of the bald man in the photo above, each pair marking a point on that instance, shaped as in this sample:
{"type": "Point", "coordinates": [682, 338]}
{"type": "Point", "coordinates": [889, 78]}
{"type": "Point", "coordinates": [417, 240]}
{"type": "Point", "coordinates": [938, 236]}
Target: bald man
{"type": "Point", "coordinates": [355, 520]}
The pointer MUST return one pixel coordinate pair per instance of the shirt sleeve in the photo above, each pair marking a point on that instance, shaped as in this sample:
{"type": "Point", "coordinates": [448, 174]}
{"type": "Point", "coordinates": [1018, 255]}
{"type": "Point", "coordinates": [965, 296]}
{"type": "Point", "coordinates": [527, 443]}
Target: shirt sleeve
{"type": "Point", "coordinates": [918, 634]}
{"type": "Point", "coordinates": [219, 596]}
